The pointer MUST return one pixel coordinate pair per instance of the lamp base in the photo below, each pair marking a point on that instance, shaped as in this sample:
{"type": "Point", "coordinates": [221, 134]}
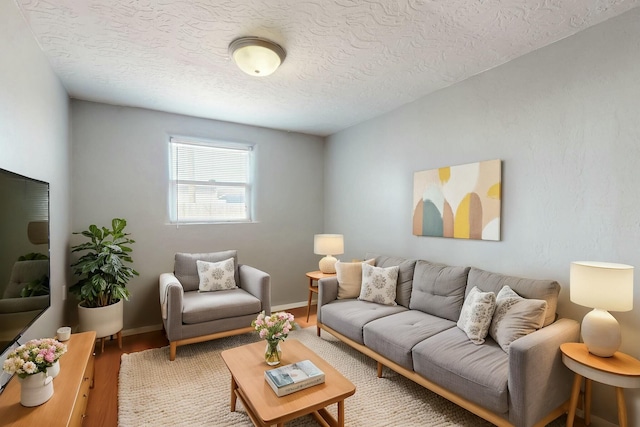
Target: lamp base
{"type": "Point", "coordinates": [328, 264]}
{"type": "Point", "coordinates": [601, 333]}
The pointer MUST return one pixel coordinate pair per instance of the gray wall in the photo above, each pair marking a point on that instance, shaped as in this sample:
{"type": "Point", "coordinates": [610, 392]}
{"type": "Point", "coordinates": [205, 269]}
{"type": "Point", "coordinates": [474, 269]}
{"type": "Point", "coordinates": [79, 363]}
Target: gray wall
{"type": "Point", "coordinates": [120, 169]}
{"type": "Point", "coordinates": [565, 122]}
{"type": "Point", "coordinates": [34, 141]}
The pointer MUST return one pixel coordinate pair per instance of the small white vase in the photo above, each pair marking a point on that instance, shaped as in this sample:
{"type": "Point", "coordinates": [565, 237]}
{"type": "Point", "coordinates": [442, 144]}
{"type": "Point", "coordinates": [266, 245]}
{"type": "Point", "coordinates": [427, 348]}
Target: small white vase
{"type": "Point", "coordinates": [54, 369]}
{"type": "Point", "coordinates": [35, 389]}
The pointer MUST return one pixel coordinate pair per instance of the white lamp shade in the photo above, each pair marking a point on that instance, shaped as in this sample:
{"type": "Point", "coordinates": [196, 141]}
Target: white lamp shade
{"type": "Point", "coordinates": [256, 56]}
{"type": "Point", "coordinates": [328, 244]}
{"type": "Point", "coordinates": [38, 232]}
{"type": "Point", "coordinates": [602, 285]}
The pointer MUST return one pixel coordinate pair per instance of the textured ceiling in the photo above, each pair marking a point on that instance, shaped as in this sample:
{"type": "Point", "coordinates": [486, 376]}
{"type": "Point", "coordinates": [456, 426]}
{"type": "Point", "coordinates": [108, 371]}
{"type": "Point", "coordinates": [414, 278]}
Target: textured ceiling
{"type": "Point", "coordinates": [347, 60]}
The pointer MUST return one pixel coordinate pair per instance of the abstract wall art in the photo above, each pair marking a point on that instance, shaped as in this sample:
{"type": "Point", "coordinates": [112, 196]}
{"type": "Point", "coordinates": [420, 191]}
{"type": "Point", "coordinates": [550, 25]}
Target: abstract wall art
{"type": "Point", "coordinates": [461, 202]}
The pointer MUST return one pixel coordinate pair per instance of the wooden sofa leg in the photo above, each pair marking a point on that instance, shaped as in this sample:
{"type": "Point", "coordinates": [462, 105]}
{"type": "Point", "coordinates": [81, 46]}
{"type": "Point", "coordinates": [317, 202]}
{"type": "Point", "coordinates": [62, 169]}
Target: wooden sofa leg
{"type": "Point", "coordinates": [173, 346]}
{"type": "Point", "coordinates": [379, 370]}
{"type": "Point", "coordinates": [318, 330]}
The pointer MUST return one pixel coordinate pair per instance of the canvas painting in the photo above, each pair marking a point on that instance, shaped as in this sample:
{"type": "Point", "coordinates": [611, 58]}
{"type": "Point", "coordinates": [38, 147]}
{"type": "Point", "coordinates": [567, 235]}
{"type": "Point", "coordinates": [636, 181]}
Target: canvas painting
{"type": "Point", "coordinates": [461, 202]}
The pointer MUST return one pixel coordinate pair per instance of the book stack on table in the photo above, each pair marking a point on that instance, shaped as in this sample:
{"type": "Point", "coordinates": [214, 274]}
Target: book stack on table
{"type": "Point", "coordinates": [294, 377]}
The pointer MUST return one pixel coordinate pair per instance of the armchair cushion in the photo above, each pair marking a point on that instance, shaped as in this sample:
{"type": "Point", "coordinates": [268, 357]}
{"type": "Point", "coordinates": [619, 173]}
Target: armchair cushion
{"type": "Point", "coordinates": [198, 307]}
{"type": "Point", "coordinates": [216, 276]}
{"type": "Point", "coordinates": [186, 270]}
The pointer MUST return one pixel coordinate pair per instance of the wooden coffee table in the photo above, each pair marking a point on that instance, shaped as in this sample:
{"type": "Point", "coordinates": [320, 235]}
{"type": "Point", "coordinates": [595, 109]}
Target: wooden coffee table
{"type": "Point", "coordinates": [246, 365]}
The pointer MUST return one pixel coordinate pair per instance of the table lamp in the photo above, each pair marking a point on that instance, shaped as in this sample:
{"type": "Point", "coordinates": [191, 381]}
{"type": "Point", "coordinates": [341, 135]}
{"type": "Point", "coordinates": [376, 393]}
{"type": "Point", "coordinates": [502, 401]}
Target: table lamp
{"type": "Point", "coordinates": [329, 245]}
{"type": "Point", "coordinates": [602, 286]}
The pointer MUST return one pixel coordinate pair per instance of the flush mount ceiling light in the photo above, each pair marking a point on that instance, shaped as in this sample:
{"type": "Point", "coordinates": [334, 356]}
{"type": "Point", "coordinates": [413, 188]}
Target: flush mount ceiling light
{"type": "Point", "coordinates": [257, 56]}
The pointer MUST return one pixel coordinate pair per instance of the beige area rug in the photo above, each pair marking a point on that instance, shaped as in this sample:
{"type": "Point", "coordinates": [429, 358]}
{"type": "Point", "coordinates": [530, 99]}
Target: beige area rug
{"type": "Point", "coordinates": [194, 389]}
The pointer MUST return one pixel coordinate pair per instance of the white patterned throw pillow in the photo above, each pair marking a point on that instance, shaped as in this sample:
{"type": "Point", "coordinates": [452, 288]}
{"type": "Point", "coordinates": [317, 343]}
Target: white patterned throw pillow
{"type": "Point", "coordinates": [477, 312]}
{"type": "Point", "coordinates": [379, 284]}
{"type": "Point", "coordinates": [515, 317]}
{"type": "Point", "coordinates": [216, 276]}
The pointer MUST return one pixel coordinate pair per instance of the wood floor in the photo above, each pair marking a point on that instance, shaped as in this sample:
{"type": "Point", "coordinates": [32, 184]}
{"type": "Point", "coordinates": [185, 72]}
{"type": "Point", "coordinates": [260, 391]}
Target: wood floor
{"type": "Point", "coordinates": [102, 408]}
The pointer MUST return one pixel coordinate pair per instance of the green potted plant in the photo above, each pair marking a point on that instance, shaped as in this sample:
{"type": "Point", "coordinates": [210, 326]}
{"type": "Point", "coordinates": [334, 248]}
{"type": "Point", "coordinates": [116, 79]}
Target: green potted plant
{"type": "Point", "coordinates": [104, 273]}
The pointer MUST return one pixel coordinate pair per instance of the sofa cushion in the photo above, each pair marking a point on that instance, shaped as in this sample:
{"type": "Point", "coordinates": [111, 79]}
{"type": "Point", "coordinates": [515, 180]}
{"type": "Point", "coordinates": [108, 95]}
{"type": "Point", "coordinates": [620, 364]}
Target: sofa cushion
{"type": "Point", "coordinates": [405, 275]}
{"type": "Point", "coordinates": [477, 373]}
{"type": "Point", "coordinates": [186, 270]}
{"type": "Point", "coordinates": [349, 316]}
{"type": "Point", "coordinates": [547, 290]}
{"type": "Point", "coordinates": [349, 275]}
{"type": "Point", "coordinates": [439, 289]}
{"type": "Point", "coordinates": [379, 284]}
{"type": "Point", "coordinates": [394, 336]}
{"type": "Point", "coordinates": [515, 317]}
{"type": "Point", "coordinates": [477, 312]}
{"type": "Point", "coordinates": [216, 276]}
{"type": "Point", "coordinates": [199, 307]}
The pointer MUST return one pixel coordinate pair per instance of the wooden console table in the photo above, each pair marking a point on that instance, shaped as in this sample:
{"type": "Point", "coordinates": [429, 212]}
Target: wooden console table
{"type": "Point", "coordinates": [70, 390]}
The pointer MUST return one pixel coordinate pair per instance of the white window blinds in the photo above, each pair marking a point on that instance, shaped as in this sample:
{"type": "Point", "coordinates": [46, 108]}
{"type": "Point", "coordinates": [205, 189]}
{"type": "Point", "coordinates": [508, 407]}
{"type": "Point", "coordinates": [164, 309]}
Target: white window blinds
{"type": "Point", "coordinates": [210, 181]}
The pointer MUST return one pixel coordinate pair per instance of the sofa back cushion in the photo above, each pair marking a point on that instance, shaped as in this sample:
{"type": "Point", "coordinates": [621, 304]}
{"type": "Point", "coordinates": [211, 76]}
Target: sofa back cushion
{"type": "Point", "coordinates": [547, 290]}
{"type": "Point", "coordinates": [405, 275]}
{"type": "Point", "coordinates": [439, 289]}
{"type": "Point", "coordinates": [186, 270]}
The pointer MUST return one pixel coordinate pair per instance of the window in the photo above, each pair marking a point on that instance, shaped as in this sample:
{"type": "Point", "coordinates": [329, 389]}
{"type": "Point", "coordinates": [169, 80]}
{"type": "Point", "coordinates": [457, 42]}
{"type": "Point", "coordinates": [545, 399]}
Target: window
{"type": "Point", "coordinates": [209, 181]}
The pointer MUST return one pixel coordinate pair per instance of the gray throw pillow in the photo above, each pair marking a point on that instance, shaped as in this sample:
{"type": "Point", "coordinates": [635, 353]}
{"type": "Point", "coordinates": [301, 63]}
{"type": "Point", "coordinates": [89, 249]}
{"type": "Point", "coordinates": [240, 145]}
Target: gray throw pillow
{"type": "Point", "coordinates": [515, 317]}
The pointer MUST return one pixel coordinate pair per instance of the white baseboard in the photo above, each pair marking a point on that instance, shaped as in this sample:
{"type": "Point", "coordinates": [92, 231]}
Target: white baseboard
{"type": "Point", "coordinates": [158, 327]}
{"type": "Point", "coordinates": [142, 330]}
{"type": "Point", "coordinates": [288, 306]}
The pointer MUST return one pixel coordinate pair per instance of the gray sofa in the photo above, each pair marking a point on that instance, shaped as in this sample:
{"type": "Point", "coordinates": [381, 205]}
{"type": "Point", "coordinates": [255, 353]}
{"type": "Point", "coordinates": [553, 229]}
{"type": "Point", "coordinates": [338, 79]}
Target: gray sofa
{"type": "Point", "coordinates": [526, 385]}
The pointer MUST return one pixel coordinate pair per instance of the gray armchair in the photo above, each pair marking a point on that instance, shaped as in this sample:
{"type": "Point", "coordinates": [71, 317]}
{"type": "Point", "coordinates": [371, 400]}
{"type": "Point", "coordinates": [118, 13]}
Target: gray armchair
{"type": "Point", "coordinates": [190, 316]}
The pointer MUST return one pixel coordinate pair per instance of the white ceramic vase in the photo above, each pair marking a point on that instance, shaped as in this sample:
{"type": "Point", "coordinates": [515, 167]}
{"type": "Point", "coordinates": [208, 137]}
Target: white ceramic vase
{"type": "Point", "coordinates": [35, 389]}
{"type": "Point", "coordinates": [54, 369]}
{"type": "Point", "coordinates": [106, 321]}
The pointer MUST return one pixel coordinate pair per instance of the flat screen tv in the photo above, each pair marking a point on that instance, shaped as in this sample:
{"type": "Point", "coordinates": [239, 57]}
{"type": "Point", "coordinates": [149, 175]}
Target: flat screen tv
{"type": "Point", "coordinates": [24, 254]}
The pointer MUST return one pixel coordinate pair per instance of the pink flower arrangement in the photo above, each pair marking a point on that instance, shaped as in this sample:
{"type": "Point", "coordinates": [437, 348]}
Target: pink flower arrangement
{"type": "Point", "coordinates": [34, 356]}
{"type": "Point", "coordinates": [275, 327]}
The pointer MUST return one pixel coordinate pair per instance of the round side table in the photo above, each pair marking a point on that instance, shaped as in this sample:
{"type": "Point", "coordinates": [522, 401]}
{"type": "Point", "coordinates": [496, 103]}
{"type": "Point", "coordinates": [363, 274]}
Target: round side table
{"type": "Point", "coordinates": [620, 371]}
{"type": "Point", "coordinates": [315, 275]}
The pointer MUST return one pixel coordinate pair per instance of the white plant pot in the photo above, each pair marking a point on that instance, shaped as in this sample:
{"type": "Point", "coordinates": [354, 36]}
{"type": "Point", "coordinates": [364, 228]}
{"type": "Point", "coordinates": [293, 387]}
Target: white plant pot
{"type": "Point", "coordinates": [106, 321]}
